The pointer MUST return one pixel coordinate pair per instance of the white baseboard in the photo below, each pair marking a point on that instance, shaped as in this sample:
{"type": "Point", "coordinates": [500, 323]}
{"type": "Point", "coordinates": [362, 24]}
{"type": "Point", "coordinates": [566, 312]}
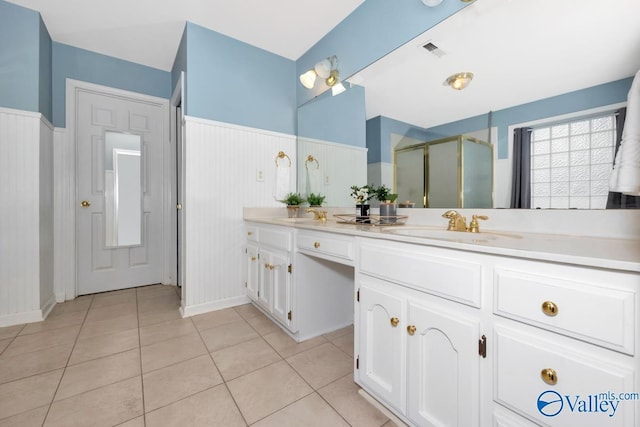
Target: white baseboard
{"type": "Point", "coordinates": [48, 306]}
{"type": "Point", "coordinates": [397, 421]}
{"type": "Point", "coordinates": [20, 318]}
{"type": "Point", "coordinates": [192, 310]}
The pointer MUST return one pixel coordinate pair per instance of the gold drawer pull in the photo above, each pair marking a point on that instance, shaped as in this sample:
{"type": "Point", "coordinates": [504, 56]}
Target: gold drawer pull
{"type": "Point", "coordinates": [316, 245]}
{"type": "Point", "coordinates": [394, 321]}
{"type": "Point", "coordinates": [549, 308]}
{"type": "Point", "coordinates": [253, 258]}
{"type": "Point", "coordinates": [249, 233]}
{"type": "Point", "coordinates": [549, 376]}
{"type": "Point", "coordinates": [411, 329]}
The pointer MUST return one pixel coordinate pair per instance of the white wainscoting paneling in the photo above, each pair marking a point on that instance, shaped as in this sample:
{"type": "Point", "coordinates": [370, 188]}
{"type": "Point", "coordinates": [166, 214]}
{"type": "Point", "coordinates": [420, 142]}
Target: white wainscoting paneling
{"type": "Point", "coordinates": [221, 162]}
{"type": "Point", "coordinates": [26, 218]}
{"type": "Point", "coordinates": [339, 164]}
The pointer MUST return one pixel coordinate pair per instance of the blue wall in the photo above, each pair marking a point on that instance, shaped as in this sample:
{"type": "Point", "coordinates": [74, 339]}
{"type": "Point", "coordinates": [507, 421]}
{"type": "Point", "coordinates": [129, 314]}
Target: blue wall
{"type": "Point", "coordinates": [593, 97]}
{"type": "Point", "coordinates": [339, 119]}
{"type": "Point", "coordinates": [374, 29]}
{"type": "Point", "coordinates": [233, 82]}
{"type": "Point", "coordinates": [80, 64]}
{"type": "Point", "coordinates": [19, 57]}
{"type": "Point", "coordinates": [45, 58]}
{"type": "Point", "coordinates": [180, 62]}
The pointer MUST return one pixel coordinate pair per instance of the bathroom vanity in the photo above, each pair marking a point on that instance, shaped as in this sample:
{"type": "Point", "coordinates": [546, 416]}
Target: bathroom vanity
{"type": "Point", "coordinates": [492, 329]}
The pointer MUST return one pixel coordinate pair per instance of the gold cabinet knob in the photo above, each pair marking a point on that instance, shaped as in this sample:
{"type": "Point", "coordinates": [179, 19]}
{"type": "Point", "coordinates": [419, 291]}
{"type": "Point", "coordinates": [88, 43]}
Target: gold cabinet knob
{"type": "Point", "coordinates": [316, 245]}
{"type": "Point", "coordinates": [549, 376]}
{"type": "Point", "coordinates": [85, 203]}
{"type": "Point", "coordinates": [411, 329]}
{"type": "Point", "coordinates": [549, 308]}
{"type": "Point", "coordinates": [253, 258]}
{"type": "Point", "coordinates": [394, 321]}
{"type": "Point", "coordinates": [249, 233]}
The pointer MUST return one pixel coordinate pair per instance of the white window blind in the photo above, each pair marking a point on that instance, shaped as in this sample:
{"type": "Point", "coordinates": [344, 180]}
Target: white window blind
{"type": "Point", "coordinates": [571, 163]}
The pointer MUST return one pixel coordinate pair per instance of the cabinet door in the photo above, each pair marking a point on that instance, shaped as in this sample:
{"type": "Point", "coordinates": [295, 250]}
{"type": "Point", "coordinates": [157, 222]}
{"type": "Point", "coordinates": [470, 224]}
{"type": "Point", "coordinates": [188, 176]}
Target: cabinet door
{"type": "Point", "coordinates": [382, 352]}
{"type": "Point", "coordinates": [252, 272]}
{"type": "Point", "coordinates": [281, 287]}
{"type": "Point", "coordinates": [265, 281]}
{"type": "Point", "coordinates": [443, 367]}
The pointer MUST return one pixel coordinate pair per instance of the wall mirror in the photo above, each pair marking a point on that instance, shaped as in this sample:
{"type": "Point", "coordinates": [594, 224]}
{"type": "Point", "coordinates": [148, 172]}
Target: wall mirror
{"type": "Point", "coordinates": [520, 52]}
{"type": "Point", "coordinates": [123, 190]}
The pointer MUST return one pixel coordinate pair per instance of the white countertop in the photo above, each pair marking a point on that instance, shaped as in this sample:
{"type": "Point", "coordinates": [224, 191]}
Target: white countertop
{"type": "Point", "coordinates": [601, 252]}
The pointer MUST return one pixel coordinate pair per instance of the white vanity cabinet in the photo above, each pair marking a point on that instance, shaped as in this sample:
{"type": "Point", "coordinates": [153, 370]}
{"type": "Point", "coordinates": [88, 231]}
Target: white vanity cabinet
{"type": "Point", "coordinates": [417, 351]}
{"type": "Point", "coordinates": [565, 343]}
{"type": "Point", "coordinates": [269, 254]}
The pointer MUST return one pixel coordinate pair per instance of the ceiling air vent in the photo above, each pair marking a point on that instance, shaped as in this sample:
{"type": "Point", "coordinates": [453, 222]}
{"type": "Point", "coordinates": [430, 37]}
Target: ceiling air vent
{"type": "Point", "coordinates": [434, 50]}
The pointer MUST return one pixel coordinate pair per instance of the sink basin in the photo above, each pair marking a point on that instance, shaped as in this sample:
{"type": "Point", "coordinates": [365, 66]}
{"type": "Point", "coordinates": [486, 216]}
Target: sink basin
{"type": "Point", "coordinates": [456, 236]}
{"type": "Point", "coordinates": [298, 220]}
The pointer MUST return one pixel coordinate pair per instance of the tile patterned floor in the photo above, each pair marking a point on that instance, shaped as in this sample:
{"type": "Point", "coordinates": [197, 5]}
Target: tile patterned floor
{"type": "Point", "coordinates": [126, 358]}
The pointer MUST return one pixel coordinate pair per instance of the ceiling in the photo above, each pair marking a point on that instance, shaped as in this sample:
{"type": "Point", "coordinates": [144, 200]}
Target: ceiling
{"type": "Point", "coordinates": [148, 32]}
{"type": "Point", "coordinates": [519, 50]}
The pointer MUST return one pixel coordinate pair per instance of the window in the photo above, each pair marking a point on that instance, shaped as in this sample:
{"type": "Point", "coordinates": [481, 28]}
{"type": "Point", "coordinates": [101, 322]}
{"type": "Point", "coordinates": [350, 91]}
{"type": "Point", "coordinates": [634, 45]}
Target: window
{"type": "Point", "coordinates": [571, 163]}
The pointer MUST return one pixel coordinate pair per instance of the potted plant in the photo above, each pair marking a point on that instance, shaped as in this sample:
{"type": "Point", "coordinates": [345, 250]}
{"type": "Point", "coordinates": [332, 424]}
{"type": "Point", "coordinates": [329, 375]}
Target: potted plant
{"type": "Point", "coordinates": [361, 195]}
{"type": "Point", "coordinates": [315, 200]}
{"type": "Point", "coordinates": [388, 206]}
{"type": "Point", "coordinates": [293, 202]}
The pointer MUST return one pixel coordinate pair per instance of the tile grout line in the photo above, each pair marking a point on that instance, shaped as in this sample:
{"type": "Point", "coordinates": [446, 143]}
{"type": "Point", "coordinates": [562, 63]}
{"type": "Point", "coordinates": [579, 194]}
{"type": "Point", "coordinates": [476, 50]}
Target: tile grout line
{"type": "Point", "coordinates": [144, 411]}
{"type": "Point", "coordinates": [75, 342]}
{"type": "Point", "coordinates": [220, 373]}
{"type": "Point", "coordinates": [294, 370]}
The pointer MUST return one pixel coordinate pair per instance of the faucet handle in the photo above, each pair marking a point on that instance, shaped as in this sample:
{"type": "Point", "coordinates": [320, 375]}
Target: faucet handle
{"type": "Point", "coordinates": [474, 227]}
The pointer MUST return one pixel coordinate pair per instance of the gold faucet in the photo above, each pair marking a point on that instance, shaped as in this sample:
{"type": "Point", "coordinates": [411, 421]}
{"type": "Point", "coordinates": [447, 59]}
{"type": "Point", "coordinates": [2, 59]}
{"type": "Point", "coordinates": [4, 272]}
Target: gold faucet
{"type": "Point", "coordinates": [456, 221]}
{"type": "Point", "coordinates": [474, 227]}
{"type": "Point", "coordinates": [459, 223]}
{"type": "Point", "coordinates": [320, 215]}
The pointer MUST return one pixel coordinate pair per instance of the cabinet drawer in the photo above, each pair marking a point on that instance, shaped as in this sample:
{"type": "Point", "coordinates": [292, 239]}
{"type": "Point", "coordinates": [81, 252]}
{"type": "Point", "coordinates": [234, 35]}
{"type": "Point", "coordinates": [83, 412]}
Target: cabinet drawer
{"type": "Point", "coordinates": [436, 271]}
{"type": "Point", "coordinates": [600, 315]}
{"type": "Point", "coordinates": [281, 239]}
{"type": "Point", "coordinates": [252, 233]}
{"type": "Point", "coordinates": [575, 399]}
{"type": "Point", "coordinates": [326, 245]}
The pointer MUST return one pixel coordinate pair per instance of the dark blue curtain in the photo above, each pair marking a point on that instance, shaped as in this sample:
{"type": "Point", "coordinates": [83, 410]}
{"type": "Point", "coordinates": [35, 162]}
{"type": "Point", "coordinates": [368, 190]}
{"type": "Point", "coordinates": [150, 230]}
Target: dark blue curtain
{"type": "Point", "coordinates": [521, 176]}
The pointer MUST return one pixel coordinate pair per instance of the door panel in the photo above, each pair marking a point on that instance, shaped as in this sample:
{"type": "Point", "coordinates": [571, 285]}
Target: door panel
{"type": "Point", "coordinates": [102, 268]}
{"type": "Point", "coordinates": [382, 344]}
{"type": "Point", "coordinates": [443, 368]}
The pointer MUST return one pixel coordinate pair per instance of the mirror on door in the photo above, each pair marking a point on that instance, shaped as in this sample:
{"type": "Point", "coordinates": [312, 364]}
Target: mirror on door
{"type": "Point", "coordinates": [123, 189]}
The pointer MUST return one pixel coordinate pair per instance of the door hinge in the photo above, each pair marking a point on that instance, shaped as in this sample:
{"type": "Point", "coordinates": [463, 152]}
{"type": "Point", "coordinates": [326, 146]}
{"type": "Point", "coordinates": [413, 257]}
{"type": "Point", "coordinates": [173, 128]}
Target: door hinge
{"type": "Point", "coordinates": [245, 284]}
{"type": "Point", "coordinates": [358, 362]}
{"type": "Point", "coordinates": [289, 268]}
{"type": "Point", "coordinates": [482, 346]}
{"type": "Point", "coordinates": [358, 295]}
{"type": "Point", "coordinates": [179, 206]}
{"type": "Point", "coordinates": [289, 316]}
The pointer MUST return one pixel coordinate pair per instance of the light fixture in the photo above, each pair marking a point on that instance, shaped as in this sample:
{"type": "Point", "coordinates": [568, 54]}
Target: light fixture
{"type": "Point", "coordinates": [459, 81]}
{"type": "Point", "coordinates": [326, 69]}
{"type": "Point", "coordinates": [431, 3]}
{"type": "Point", "coordinates": [337, 89]}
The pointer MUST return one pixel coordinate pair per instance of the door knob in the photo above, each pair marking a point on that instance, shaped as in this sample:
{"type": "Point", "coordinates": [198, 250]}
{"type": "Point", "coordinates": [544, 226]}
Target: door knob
{"type": "Point", "coordinates": [85, 203]}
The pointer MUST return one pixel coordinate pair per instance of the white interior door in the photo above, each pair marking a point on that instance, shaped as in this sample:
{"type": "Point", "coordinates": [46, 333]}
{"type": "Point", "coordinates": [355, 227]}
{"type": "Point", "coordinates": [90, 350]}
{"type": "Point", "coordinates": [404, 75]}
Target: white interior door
{"type": "Point", "coordinates": [105, 262]}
